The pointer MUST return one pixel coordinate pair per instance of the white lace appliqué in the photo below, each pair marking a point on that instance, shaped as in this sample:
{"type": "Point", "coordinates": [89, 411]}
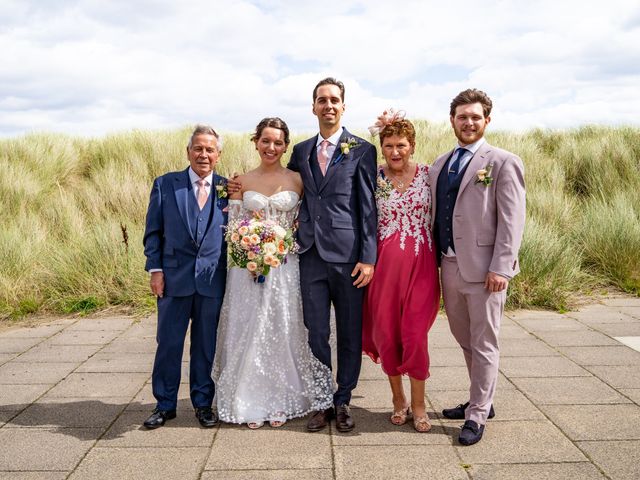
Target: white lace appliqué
{"type": "Point", "coordinates": [408, 213]}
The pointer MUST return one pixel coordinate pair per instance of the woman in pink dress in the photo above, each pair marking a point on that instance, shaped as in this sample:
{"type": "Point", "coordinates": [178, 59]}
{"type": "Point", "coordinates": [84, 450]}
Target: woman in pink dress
{"type": "Point", "coordinates": [403, 298]}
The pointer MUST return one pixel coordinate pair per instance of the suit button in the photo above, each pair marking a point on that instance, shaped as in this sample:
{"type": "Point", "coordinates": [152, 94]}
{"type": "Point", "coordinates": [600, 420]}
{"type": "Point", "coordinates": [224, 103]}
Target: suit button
{"type": "Point", "coordinates": [319, 197]}
{"type": "Point", "coordinates": [200, 219]}
{"type": "Point", "coordinates": [318, 217]}
{"type": "Point", "coordinates": [446, 218]}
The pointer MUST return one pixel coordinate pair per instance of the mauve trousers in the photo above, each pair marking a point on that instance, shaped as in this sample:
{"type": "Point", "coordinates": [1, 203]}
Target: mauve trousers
{"type": "Point", "coordinates": [474, 316]}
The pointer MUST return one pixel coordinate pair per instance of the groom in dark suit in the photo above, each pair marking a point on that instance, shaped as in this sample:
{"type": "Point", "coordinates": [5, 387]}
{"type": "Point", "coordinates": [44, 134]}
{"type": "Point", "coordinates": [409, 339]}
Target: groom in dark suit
{"type": "Point", "coordinates": [186, 256]}
{"type": "Point", "coordinates": [337, 238]}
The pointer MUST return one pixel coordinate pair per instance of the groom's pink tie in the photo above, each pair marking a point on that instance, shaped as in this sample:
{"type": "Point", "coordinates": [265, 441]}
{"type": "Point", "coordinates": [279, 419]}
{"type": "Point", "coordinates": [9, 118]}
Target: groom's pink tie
{"type": "Point", "coordinates": [202, 193]}
{"type": "Point", "coordinates": [323, 156]}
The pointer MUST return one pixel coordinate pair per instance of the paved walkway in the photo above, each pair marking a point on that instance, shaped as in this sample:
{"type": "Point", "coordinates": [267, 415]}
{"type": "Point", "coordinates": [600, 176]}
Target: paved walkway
{"type": "Point", "coordinates": [74, 392]}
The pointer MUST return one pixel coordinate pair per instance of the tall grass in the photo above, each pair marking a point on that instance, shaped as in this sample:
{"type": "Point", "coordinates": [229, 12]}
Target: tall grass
{"type": "Point", "coordinates": [73, 213]}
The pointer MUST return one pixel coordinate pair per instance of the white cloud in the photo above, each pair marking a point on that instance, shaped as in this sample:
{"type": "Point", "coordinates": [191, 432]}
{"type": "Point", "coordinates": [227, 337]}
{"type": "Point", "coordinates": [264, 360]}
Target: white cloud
{"type": "Point", "coordinates": [91, 67]}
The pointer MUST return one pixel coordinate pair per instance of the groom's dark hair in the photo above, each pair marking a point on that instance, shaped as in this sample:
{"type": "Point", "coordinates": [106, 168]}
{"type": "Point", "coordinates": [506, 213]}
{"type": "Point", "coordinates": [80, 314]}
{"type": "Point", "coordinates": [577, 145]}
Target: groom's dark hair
{"type": "Point", "coordinates": [329, 81]}
{"type": "Point", "coordinates": [471, 95]}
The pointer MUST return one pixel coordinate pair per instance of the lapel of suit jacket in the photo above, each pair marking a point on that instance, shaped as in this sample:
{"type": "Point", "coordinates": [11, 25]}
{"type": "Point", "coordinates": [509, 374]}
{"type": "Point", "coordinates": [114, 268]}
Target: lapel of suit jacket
{"type": "Point", "coordinates": [478, 161]}
{"type": "Point", "coordinates": [306, 149]}
{"type": "Point", "coordinates": [434, 173]}
{"type": "Point", "coordinates": [331, 170]}
{"type": "Point", "coordinates": [182, 191]}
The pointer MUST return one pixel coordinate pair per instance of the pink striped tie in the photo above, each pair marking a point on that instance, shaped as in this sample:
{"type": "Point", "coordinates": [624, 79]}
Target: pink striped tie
{"type": "Point", "coordinates": [202, 193]}
{"type": "Point", "coordinates": [323, 156]}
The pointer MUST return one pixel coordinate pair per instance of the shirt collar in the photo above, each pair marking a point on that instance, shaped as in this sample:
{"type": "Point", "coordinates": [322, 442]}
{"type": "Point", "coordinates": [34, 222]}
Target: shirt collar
{"type": "Point", "coordinates": [193, 176]}
{"type": "Point", "coordinates": [473, 147]}
{"type": "Point", "coordinates": [333, 139]}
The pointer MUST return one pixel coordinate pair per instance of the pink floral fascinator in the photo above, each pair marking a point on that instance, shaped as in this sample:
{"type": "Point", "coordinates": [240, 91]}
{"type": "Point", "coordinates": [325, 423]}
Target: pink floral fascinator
{"type": "Point", "coordinates": [387, 118]}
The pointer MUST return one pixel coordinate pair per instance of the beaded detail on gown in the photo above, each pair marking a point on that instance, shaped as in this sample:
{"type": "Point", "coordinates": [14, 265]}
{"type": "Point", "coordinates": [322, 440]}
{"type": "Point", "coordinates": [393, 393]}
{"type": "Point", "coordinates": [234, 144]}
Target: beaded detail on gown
{"type": "Point", "coordinates": [264, 369]}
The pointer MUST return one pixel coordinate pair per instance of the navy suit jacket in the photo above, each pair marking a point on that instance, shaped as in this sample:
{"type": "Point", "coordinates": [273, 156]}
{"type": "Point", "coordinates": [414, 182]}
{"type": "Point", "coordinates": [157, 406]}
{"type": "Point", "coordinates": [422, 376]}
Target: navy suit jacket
{"type": "Point", "coordinates": [340, 215]}
{"type": "Point", "coordinates": [169, 243]}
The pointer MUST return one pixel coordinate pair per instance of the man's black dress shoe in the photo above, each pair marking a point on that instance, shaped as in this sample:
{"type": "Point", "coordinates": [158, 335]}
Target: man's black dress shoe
{"type": "Point", "coordinates": [319, 419]}
{"type": "Point", "coordinates": [457, 413]}
{"type": "Point", "coordinates": [344, 420]}
{"type": "Point", "coordinates": [158, 418]}
{"type": "Point", "coordinates": [207, 417]}
{"type": "Point", "coordinates": [471, 433]}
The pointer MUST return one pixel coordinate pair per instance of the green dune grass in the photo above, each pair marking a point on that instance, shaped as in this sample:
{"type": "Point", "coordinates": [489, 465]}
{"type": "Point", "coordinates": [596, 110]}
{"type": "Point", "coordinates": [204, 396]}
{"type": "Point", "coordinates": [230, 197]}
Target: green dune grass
{"type": "Point", "coordinates": [73, 213]}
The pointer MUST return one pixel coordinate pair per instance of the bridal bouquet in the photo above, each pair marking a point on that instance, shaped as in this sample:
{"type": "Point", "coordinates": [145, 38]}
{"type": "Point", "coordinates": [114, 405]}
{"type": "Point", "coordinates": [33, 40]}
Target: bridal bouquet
{"type": "Point", "coordinates": [258, 245]}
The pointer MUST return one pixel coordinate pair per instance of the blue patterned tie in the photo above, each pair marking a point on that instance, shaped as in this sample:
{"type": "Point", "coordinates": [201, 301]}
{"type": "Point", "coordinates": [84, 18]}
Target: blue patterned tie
{"type": "Point", "coordinates": [454, 166]}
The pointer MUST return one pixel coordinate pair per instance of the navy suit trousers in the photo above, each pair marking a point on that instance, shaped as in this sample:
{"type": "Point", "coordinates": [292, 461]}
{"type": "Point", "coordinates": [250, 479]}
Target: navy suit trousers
{"type": "Point", "coordinates": [323, 283]}
{"type": "Point", "coordinates": [174, 314]}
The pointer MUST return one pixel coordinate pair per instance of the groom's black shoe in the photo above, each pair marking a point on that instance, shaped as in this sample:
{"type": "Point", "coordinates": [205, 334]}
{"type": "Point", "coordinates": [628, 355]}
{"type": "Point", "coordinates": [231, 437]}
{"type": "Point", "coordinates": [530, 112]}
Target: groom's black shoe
{"type": "Point", "coordinates": [471, 433]}
{"type": "Point", "coordinates": [207, 417]}
{"type": "Point", "coordinates": [344, 420]}
{"type": "Point", "coordinates": [457, 413]}
{"type": "Point", "coordinates": [158, 418]}
{"type": "Point", "coordinates": [319, 419]}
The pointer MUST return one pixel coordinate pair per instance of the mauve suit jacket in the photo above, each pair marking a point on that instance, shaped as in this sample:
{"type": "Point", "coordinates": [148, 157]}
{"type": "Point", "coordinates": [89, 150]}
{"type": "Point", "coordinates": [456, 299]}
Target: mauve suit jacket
{"type": "Point", "coordinates": [488, 221]}
{"type": "Point", "coordinates": [340, 216]}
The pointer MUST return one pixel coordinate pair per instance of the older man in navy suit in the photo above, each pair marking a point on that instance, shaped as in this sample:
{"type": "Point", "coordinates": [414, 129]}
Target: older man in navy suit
{"type": "Point", "coordinates": [337, 238]}
{"type": "Point", "coordinates": [186, 256]}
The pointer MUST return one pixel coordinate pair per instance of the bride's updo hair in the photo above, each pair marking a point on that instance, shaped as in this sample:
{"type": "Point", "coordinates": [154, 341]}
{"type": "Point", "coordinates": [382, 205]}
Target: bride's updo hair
{"type": "Point", "coordinates": [401, 128]}
{"type": "Point", "coordinates": [271, 122]}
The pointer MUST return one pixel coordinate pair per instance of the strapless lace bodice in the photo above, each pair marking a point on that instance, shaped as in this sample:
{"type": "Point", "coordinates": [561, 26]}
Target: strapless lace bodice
{"type": "Point", "coordinates": [281, 206]}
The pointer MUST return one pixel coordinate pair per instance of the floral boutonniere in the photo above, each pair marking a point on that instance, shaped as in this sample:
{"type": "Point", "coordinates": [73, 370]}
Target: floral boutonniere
{"type": "Point", "coordinates": [221, 189]}
{"type": "Point", "coordinates": [345, 147]}
{"type": "Point", "coordinates": [383, 188]}
{"type": "Point", "coordinates": [484, 175]}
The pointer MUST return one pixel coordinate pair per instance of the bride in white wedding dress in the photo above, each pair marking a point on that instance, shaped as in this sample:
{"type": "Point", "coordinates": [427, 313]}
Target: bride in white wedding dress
{"type": "Point", "coordinates": [264, 369]}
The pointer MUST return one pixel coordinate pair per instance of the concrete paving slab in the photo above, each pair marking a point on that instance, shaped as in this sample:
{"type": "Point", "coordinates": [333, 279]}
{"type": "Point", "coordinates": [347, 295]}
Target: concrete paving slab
{"type": "Point", "coordinates": [83, 337]}
{"type": "Point", "coordinates": [141, 330]}
{"type": "Point", "coordinates": [448, 378]}
{"type": "Point", "coordinates": [46, 352]}
{"type": "Point", "coordinates": [17, 397]}
{"type": "Point", "coordinates": [514, 331]}
{"type": "Point", "coordinates": [568, 390]}
{"type": "Point", "coordinates": [594, 315]}
{"type": "Point", "coordinates": [131, 345]}
{"type": "Point", "coordinates": [611, 355]}
{"type": "Point", "coordinates": [446, 357]}
{"type": "Point", "coordinates": [21, 373]}
{"type": "Point", "coordinates": [622, 301]}
{"type": "Point", "coordinates": [104, 324]}
{"type": "Point", "coordinates": [30, 449]}
{"type": "Point", "coordinates": [618, 376]}
{"type": "Point", "coordinates": [236, 447]}
{"type": "Point", "coordinates": [71, 413]}
{"type": "Point", "coordinates": [541, 367]}
{"type": "Point", "coordinates": [144, 401]}
{"type": "Point", "coordinates": [632, 393]}
{"type": "Point", "coordinates": [99, 385]}
{"type": "Point", "coordinates": [551, 324]}
{"type": "Point", "coordinates": [509, 404]}
{"type": "Point", "coordinates": [631, 311]}
{"type": "Point", "coordinates": [619, 329]}
{"type": "Point", "coordinates": [374, 394]}
{"type": "Point", "coordinates": [525, 347]}
{"type": "Point", "coordinates": [576, 339]}
{"type": "Point", "coordinates": [631, 342]}
{"type": "Point", "coordinates": [17, 344]}
{"type": "Point", "coordinates": [118, 363]}
{"type": "Point", "coordinates": [537, 471]}
{"type": "Point", "coordinates": [183, 431]}
{"type": "Point", "coordinates": [596, 422]}
{"type": "Point", "coordinates": [618, 459]}
{"type": "Point", "coordinates": [442, 339]}
{"type": "Point", "coordinates": [38, 331]}
{"type": "Point", "coordinates": [373, 427]}
{"type": "Point", "coordinates": [371, 370]}
{"type": "Point", "coordinates": [142, 464]}
{"type": "Point", "coordinates": [5, 357]}
{"type": "Point", "coordinates": [50, 475]}
{"type": "Point", "coordinates": [524, 314]}
{"type": "Point", "coordinates": [316, 474]}
{"type": "Point", "coordinates": [382, 462]}
{"type": "Point", "coordinates": [527, 441]}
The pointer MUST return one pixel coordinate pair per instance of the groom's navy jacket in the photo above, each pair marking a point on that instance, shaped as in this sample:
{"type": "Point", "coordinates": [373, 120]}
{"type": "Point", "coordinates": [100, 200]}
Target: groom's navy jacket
{"type": "Point", "coordinates": [188, 245]}
{"type": "Point", "coordinates": [334, 216]}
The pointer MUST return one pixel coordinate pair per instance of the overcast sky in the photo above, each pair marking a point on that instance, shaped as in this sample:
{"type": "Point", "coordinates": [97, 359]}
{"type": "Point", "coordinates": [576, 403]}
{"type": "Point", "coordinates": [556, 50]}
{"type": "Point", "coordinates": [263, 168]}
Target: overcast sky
{"type": "Point", "coordinates": [92, 67]}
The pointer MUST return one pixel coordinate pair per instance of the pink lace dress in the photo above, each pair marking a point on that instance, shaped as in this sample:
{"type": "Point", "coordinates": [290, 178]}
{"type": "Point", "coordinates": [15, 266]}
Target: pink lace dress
{"type": "Point", "coordinates": [402, 300]}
